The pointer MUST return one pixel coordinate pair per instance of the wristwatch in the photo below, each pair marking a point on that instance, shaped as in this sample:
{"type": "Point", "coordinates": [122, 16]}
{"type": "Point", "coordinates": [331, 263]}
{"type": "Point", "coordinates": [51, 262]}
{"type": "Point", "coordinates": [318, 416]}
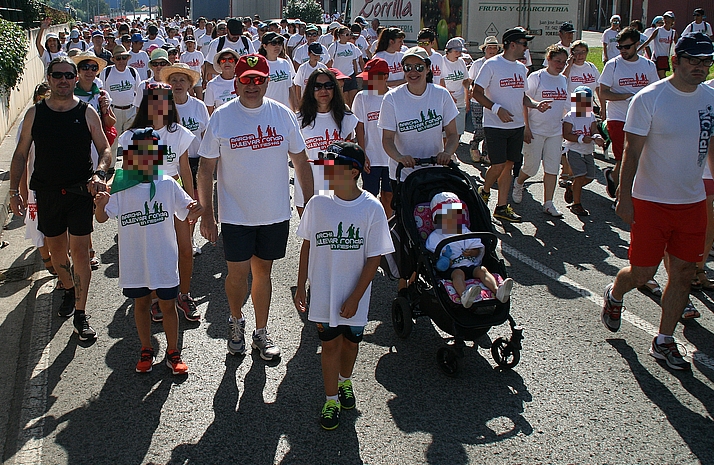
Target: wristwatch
{"type": "Point", "coordinates": [101, 174]}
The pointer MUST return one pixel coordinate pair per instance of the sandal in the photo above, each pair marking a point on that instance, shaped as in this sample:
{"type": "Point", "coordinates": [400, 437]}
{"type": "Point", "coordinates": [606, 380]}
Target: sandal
{"type": "Point", "coordinates": [50, 268]}
{"type": "Point", "coordinates": [702, 284]}
{"type": "Point", "coordinates": [651, 288]}
{"type": "Point", "coordinates": [690, 312]}
{"type": "Point", "coordinates": [93, 260]}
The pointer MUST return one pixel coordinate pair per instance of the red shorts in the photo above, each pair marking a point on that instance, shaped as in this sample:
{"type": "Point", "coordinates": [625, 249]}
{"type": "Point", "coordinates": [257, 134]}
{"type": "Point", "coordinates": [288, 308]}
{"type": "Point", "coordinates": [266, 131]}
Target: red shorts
{"type": "Point", "coordinates": [677, 229]}
{"type": "Point", "coordinates": [617, 137]}
{"type": "Point", "coordinates": [662, 63]}
{"type": "Point", "coordinates": [709, 186]}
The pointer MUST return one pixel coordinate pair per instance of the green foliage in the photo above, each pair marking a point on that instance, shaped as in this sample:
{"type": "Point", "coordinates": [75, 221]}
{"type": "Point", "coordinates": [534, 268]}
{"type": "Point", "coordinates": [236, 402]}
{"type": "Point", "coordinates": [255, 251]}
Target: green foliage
{"type": "Point", "coordinates": [12, 55]}
{"type": "Point", "coordinates": [32, 11]}
{"type": "Point", "coordinates": [129, 5]}
{"type": "Point", "coordinates": [309, 11]}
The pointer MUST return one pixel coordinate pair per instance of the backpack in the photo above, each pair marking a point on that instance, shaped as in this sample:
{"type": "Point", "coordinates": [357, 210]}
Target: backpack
{"type": "Point", "coordinates": [109, 70]}
{"type": "Point", "coordinates": [222, 42]}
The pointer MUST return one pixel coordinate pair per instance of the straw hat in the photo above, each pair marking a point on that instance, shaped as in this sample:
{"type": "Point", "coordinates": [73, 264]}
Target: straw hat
{"type": "Point", "coordinates": [216, 65]}
{"type": "Point", "coordinates": [182, 68]}
{"type": "Point", "coordinates": [80, 57]}
{"type": "Point", "coordinates": [490, 40]}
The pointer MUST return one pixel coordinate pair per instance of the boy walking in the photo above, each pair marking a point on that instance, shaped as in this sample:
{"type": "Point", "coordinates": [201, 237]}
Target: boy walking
{"type": "Point", "coordinates": [345, 233]}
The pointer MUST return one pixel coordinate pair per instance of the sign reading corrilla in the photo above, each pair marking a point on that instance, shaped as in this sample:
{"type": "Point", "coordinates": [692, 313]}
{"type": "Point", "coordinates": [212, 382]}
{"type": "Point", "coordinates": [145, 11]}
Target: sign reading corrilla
{"type": "Point", "coordinates": [404, 14]}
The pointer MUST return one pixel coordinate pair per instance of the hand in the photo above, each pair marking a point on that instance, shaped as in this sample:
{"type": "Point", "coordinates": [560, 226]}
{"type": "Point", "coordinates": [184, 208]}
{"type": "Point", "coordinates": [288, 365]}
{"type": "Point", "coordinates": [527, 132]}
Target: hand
{"type": "Point", "coordinates": [470, 253]}
{"type": "Point", "coordinates": [195, 210]}
{"type": "Point", "coordinates": [300, 299]}
{"type": "Point", "coordinates": [349, 308]}
{"type": "Point", "coordinates": [543, 105]}
{"type": "Point", "coordinates": [209, 228]}
{"type": "Point", "coordinates": [505, 115]}
{"type": "Point", "coordinates": [587, 139]}
{"type": "Point", "coordinates": [101, 200]}
{"type": "Point", "coordinates": [443, 158]}
{"type": "Point", "coordinates": [527, 135]}
{"type": "Point", "coordinates": [367, 164]}
{"type": "Point", "coordinates": [407, 161]}
{"type": "Point", "coordinates": [96, 185]}
{"type": "Point", "coordinates": [45, 23]}
{"type": "Point", "coordinates": [104, 102]}
{"type": "Point", "coordinates": [598, 140]}
{"type": "Point", "coordinates": [624, 208]}
{"type": "Point", "coordinates": [17, 204]}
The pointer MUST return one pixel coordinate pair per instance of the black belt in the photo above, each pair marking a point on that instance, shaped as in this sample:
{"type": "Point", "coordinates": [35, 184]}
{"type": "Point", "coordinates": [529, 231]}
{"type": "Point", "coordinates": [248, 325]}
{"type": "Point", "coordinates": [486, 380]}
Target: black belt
{"type": "Point", "coordinates": [125, 107]}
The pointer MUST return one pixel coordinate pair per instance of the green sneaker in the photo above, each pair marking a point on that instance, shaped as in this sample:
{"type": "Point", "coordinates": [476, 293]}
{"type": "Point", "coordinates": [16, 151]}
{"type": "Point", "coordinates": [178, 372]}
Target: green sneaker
{"type": "Point", "coordinates": [505, 212]}
{"type": "Point", "coordinates": [484, 195]}
{"type": "Point", "coordinates": [347, 395]}
{"type": "Point", "coordinates": [330, 415]}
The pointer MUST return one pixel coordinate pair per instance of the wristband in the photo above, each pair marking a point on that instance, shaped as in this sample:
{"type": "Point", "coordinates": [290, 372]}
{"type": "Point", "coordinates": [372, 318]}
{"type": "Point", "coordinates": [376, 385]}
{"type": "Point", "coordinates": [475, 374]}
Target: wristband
{"type": "Point", "coordinates": [16, 194]}
{"type": "Point", "coordinates": [495, 108]}
{"type": "Point", "coordinates": [580, 139]}
{"type": "Point", "coordinates": [13, 190]}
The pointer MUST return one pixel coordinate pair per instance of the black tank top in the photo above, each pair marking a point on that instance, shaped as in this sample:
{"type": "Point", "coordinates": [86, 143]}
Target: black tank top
{"type": "Point", "coordinates": [62, 148]}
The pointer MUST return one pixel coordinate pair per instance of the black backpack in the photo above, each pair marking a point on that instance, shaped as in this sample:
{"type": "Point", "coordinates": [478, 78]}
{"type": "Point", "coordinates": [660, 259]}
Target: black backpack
{"type": "Point", "coordinates": [109, 70]}
{"type": "Point", "coordinates": [222, 42]}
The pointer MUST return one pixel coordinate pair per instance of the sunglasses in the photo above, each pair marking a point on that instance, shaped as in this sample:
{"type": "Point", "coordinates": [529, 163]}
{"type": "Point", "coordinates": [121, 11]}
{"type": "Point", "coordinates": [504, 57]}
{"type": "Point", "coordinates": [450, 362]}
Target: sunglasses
{"type": "Point", "coordinates": [625, 46]}
{"type": "Point", "coordinates": [694, 61]}
{"type": "Point", "coordinates": [324, 85]}
{"type": "Point", "coordinates": [257, 80]}
{"type": "Point", "coordinates": [422, 43]}
{"type": "Point", "coordinates": [59, 75]}
{"type": "Point", "coordinates": [524, 43]}
{"type": "Point", "coordinates": [275, 42]}
{"type": "Point", "coordinates": [120, 58]}
{"type": "Point", "coordinates": [159, 63]}
{"type": "Point", "coordinates": [88, 67]}
{"type": "Point", "coordinates": [311, 34]}
{"type": "Point", "coordinates": [417, 68]}
{"type": "Point", "coordinates": [226, 60]}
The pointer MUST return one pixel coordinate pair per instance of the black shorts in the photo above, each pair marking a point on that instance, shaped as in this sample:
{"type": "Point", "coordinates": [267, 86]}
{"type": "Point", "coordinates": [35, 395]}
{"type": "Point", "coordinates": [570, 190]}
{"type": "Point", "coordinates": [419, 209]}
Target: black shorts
{"type": "Point", "coordinates": [468, 271]}
{"type": "Point", "coordinates": [193, 163]}
{"type": "Point", "coordinates": [350, 84]}
{"type": "Point", "coordinates": [352, 333]}
{"type": "Point", "coordinates": [504, 145]}
{"type": "Point", "coordinates": [139, 292]}
{"type": "Point", "coordinates": [61, 210]}
{"type": "Point", "coordinates": [268, 242]}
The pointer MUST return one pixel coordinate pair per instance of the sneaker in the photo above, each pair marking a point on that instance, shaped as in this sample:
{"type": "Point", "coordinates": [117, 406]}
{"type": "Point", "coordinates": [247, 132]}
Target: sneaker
{"type": "Point", "coordinates": [266, 346]}
{"type": "Point", "coordinates": [346, 394]}
{"type": "Point", "coordinates": [330, 415]}
{"type": "Point", "coordinates": [669, 353]}
{"type": "Point", "coordinates": [173, 361]}
{"type": "Point", "coordinates": [505, 212]}
{"type": "Point", "coordinates": [564, 180]}
{"type": "Point", "coordinates": [518, 191]}
{"type": "Point", "coordinates": [236, 342]}
{"type": "Point", "coordinates": [484, 195]}
{"type": "Point", "coordinates": [578, 209]}
{"type": "Point", "coordinates": [550, 209]}
{"type": "Point", "coordinates": [611, 312]}
{"type": "Point", "coordinates": [611, 187]}
{"type": "Point", "coordinates": [186, 305]}
{"type": "Point", "coordinates": [469, 296]}
{"type": "Point", "coordinates": [156, 314]}
{"type": "Point", "coordinates": [146, 361]}
{"type": "Point", "coordinates": [82, 328]}
{"type": "Point", "coordinates": [568, 196]}
{"type": "Point", "coordinates": [197, 250]}
{"type": "Point", "coordinates": [503, 293]}
{"type": "Point", "coordinates": [66, 308]}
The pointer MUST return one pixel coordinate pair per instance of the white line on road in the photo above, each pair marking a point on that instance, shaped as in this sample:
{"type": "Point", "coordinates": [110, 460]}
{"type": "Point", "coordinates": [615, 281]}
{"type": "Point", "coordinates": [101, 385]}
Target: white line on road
{"type": "Point", "coordinates": [697, 355]}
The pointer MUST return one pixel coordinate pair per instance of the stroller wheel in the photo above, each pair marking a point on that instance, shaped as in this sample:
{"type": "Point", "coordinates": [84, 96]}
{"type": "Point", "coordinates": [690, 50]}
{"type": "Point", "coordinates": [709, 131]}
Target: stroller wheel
{"type": "Point", "coordinates": [505, 354]}
{"type": "Point", "coordinates": [402, 317]}
{"type": "Point", "coordinates": [448, 361]}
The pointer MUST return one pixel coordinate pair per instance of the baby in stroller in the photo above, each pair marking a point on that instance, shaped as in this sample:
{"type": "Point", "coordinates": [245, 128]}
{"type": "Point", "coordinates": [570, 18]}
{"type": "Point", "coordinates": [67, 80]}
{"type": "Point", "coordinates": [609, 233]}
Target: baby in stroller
{"type": "Point", "coordinates": [461, 260]}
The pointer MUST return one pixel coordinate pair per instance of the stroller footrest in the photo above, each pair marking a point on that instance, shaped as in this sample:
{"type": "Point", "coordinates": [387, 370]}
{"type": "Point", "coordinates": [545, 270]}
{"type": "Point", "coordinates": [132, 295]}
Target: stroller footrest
{"type": "Point", "coordinates": [485, 294]}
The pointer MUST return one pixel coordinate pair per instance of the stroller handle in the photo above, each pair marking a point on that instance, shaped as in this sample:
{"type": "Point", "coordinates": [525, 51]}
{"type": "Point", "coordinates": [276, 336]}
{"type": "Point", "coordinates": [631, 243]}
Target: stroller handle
{"type": "Point", "coordinates": [420, 162]}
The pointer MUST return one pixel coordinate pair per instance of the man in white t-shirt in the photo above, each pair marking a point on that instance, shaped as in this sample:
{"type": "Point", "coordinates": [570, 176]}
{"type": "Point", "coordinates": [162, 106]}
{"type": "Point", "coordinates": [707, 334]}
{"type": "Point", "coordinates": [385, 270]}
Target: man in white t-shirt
{"type": "Point", "coordinates": [372, 30]}
{"type": "Point", "coordinates": [699, 25]}
{"type": "Point", "coordinates": [301, 52]}
{"type": "Point", "coordinates": [122, 83]}
{"type": "Point", "coordinates": [609, 39]}
{"type": "Point", "coordinates": [298, 38]}
{"type": "Point", "coordinates": [233, 40]}
{"type": "Point", "coordinates": [139, 59]}
{"type": "Point", "coordinates": [622, 78]}
{"type": "Point", "coordinates": [566, 34]}
{"type": "Point", "coordinates": [501, 87]}
{"type": "Point", "coordinates": [153, 38]}
{"type": "Point", "coordinates": [661, 42]}
{"type": "Point", "coordinates": [664, 192]}
{"type": "Point", "coordinates": [426, 39]}
{"type": "Point", "coordinates": [252, 136]}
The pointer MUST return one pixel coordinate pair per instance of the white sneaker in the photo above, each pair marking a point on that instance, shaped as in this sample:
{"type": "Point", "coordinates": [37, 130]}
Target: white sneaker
{"type": "Point", "coordinates": [469, 295]}
{"type": "Point", "coordinates": [197, 250]}
{"type": "Point", "coordinates": [518, 191]}
{"type": "Point", "coordinates": [550, 209]}
{"type": "Point", "coordinates": [503, 293]}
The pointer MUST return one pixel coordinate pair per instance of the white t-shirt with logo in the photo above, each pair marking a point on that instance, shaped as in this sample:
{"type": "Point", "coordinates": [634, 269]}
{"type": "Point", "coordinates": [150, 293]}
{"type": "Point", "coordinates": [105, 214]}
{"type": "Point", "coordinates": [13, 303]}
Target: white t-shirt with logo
{"type": "Point", "coordinates": [239, 46]}
{"type": "Point", "coordinates": [474, 69]}
{"type": "Point", "coordinates": [458, 259]}
{"type": "Point", "coordinates": [194, 117]}
{"type": "Point", "coordinates": [282, 73]}
{"type": "Point", "coordinates": [194, 60]}
{"type": "Point", "coordinates": [454, 73]}
{"type": "Point", "coordinates": [47, 57]}
{"type": "Point", "coordinates": [624, 76]}
{"type": "Point", "coordinates": [417, 120]}
{"type": "Point", "coordinates": [662, 44]}
{"type": "Point", "coordinates": [140, 62]}
{"type": "Point", "coordinates": [504, 82]}
{"type": "Point", "coordinates": [343, 235]}
{"type": "Point", "coordinates": [148, 251]}
{"type": "Point", "coordinates": [121, 85]}
{"type": "Point", "coordinates": [586, 74]}
{"type": "Point", "coordinates": [609, 38]}
{"type": "Point", "coordinates": [366, 107]}
{"type": "Point", "coordinates": [296, 40]}
{"type": "Point", "coordinates": [219, 91]}
{"type": "Point", "coordinates": [544, 86]}
{"type": "Point", "coordinates": [394, 60]}
{"type": "Point", "coordinates": [326, 40]}
{"type": "Point", "coordinates": [362, 45]}
{"type": "Point", "coordinates": [252, 146]}
{"type": "Point", "coordinates": [176, 142]}
{"type": "Point", "coordinates": [300, 55]}
{"type": "Point", "coordinates": [581, 127]}
{"type": "Point", "coordinates": [158, 41]}
{"type": "Point", "coordinates": [343, 56]}
{"type": "Point", "coordinates": [437, 65]}
{"type": "Point", "coordinates": [202, 43]}
{"type": "Point", "coordinates": [703, 27]}
{"type": "Point", "coordinates": [304, 71]}
{"type": "Point", "coordinates": [678, 126]}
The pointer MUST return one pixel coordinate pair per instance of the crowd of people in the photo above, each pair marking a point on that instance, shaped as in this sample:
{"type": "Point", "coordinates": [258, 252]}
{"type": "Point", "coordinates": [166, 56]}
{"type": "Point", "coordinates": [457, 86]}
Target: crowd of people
{"type": "Point", "coordinates": [137, 119]}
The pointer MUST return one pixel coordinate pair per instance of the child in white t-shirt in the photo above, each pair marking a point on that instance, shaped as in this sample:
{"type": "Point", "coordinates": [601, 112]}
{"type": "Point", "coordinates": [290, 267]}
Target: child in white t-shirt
{"type": "Point", "coordinates": [145, 202]}
{"type": "Point", "coordinates": [461, 260]}
{"type": "Point", "coordinates": [345, 234]}
{"type": "Point", "coordinates": [580, 134]}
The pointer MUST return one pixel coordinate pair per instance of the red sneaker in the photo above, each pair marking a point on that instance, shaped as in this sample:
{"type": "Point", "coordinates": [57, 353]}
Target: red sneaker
{"type": "Point", "coordinates": [173, 361]}
{"type": "Point", "coordinates": [146, 362]}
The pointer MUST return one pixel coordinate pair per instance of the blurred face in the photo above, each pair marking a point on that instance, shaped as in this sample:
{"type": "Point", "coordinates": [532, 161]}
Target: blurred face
{"type": "Point", "coordinates": [53, 45]}
{"type": "Point", "coordinates": [62, 37]}
{"type": "Point", "coordinates": [88, 70]}
{"type": "Point", "coordinates": [556, 63]}
{"type": "Point", "coordinates": [668, 22]}
{"type": "Point", "coordinates": [324, 90]}
{"type": "Point", "coordinates": [143, 156]}
{"type": "Point", "coordinates": [157, 66]}
{"type": "Point", "coordinates": [97, 41]}
{"type": "Point", "coordinates": [615, 24]}
{"type": "Point", "coordinates": [136, 46]}
{"type": "Point", "coordinates": [453, 55]}
{"type": "Point", "coordinates": [222, 30]}
{"type": "Point", "coordinates": [579, 55]}
{"type": "Point", "coordinates": [191, 46]}
{"type": "Point", "coordinates": [173, 56]}
{"type": "Point", "coordinates": [227, 62]}
{"type": "Point", "coordinates": [395, 45]}
{"type": "Point", "coordinates": [120, 61]}
{"type": "Point", "coordinates": [311, 36]}
{"type": "Point", "coordinates": [450, 220]}
{"type": "Point", "coordinates": [158, 102]}
{"type": "Point", "coordinates": [180, 83]}
{"type": "Point", "coordinates": [581, 104]}
{"type": "Point", "coordinates": [339, 177]}
{"type": "Point", "coordinates": [659, 23]}
{"type": "Point", "coordinates": [274, 47]}
{"type": "Point", "coordinates": [344, 35]}
{"type": "Point", "coordinates": [111, 42]}
{"type": "Point", "coordinates": [377, 84]}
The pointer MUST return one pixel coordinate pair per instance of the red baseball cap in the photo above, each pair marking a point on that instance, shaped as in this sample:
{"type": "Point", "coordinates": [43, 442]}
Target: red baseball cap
{"type": "Point", "coordinates": [338, 74]}
{"type": "Point", "coordinates": [253, 64]}
{"type": "Point", "coordinates": [374, 66]}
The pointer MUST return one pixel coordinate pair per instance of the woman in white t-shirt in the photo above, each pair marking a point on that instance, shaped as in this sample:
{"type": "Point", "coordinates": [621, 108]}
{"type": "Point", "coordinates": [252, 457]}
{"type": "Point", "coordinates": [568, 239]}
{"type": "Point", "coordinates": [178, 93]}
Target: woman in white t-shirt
{"type": "Point", "coordinates": [324, 118]}
{"type": "Point", "coordinates": [51, 48]}
{"type": "Point", "coordinates": [456, 79]}
{"type": "Point", "coordinates": [345, 56]}
{"type": "Point", "coordinates": [194, 59]}
{"type": "Point", "coordinates": [158, 110]}
{"type": "Point", "coordinates": [280, 85]}
{"type": "Point", "coordinates": [389, 46]}
{"type": "Point", "coordinates": [221, 88]}
{"type": "Point", "coordinates": [305, 70]}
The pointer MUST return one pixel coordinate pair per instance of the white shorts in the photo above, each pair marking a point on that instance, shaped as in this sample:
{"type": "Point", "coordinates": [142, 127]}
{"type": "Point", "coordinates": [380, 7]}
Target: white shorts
{"type": "Point", "coordinates": [542, 149]}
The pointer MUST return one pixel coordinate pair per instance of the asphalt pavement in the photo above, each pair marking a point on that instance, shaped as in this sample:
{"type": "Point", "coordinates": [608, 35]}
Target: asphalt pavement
{"type": "Point", "coordinates": [580, 394]}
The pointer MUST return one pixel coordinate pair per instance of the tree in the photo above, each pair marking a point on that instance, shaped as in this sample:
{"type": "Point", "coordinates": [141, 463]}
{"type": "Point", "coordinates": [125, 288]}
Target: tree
{"type": "Point", "coordinates": [129, 5]}
{"type": "Point", "coordinates": [308, 11]}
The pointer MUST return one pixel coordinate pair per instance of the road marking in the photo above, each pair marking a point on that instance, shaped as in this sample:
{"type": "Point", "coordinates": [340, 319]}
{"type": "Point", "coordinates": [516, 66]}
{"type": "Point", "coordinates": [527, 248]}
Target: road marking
{"type": "Point", "coordinates": [697, 355]}
{"type": "Point", "coordinates": [34, 403]}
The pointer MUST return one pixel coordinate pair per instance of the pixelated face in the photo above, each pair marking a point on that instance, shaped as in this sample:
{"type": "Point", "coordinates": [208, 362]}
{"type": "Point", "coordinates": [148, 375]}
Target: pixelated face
{"type": "Point", "coordinates": [144, 156]}
{"type": "Point", "coordinates": [377, 84]}
{"type": "Point", "coordinates": [158, 101]}
{"type": "Point", "coordinates": [450, 218]}
{"type": "Point", "coordinates": [338, 176]}
{"type": "Point", "coordinates": [581, 103]}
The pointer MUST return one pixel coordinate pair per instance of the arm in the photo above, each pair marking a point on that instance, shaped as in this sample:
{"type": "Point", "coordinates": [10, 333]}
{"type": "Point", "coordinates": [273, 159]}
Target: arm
{"type": "Point", "coordinates": [647, 42]}
{"type": "Point", "coordinates": [604, 52]}
{"type": "Point", "coordinates": [103, 150]}
{"type": "Point", "coordinates": [292, 98]}
{"type": "Point", "coordinates": [359, 132]}
{"type": "Point", "coordinates": [349, 308]}
{"type": "Point", "coordinates": [19, 163]}
{"type": "Point", "coordinates": [451, 144]}
{"type": "Point", "coordinates": [185, 173]}
{"type": "Point", "coordinates": [40, 34]}
{"type": "Point", "coordinates": [303, 173]}
{"type": "Point", "coordinates": [467, 95]}
{"type": "Point", "coordinates": [391, 149]}
{"type": "Point", "coordinates": [300, 299]}
{"type": "Point", "coordinates": [298, 95]}
{"type": "Point", "coordinates": [209, 228]}
{"type": "Point", "coordinates": [101, 200]}
{"type": "Point", "coordinates": [607, 94]}
{"type": "Point", "coordinates": [630, 161]}
{"type": "Point", "coordinates": [569, 65]}
{"type": "Point", "coordinates": [479, 95]}
{"type": "Point", "coordinates": [541, 106]}
{"type": "Point", "coordinates": [527, 134]}
{"type": "Point", "coordinates": [568, 132]}
{"type": "Point", "coordinates": [108, 118]}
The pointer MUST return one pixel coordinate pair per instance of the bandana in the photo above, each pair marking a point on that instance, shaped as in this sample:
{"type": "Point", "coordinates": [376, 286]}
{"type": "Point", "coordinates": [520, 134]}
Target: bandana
{"type": "Point", "coordinates": [79, 92]}
{"type": "Point", "coordinates": [124, 179]}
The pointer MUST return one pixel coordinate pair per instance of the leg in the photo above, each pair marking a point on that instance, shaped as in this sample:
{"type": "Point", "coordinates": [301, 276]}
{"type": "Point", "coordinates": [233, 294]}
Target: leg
{"type": "Point", "coordinates": [142, 318]}
{"type": "Point", "coordinates": [261, 289]}
{"type": "Point", "coordinates": [578, 184]}
{"type": "Point", "coordinates": [331, 360]}
{"type": "Point", "coordinates": [709, 240]}
{"type": "Point", "coordinates": [386, 199]}
{"type": "Point", "coordinates": [79, 247]}
{"type": "Point", "coordinates": [170, 322]}
{"type": "Point", "coordinates": [237, 286]}
{"type": "Point", "coordinates": [493, 173]}
{"type": "Point", "coordinates": [504, 183]}
{"type": "Point", "coordinates": [486, 277]}
{"type": "Point", "coordinates": [631, 277]}
{"type": "Point", "coordinates": [458, 278]}
{"type": "Point", "coordinates": [348, 357]}
{"type": "Point", "coordinates": [549, 181]}
{"type": "Point", "coordinates": [57, 247]}
{"type": "Point", "coordinates": [185, 258]}
{"type": "Point", "coordinates": [676, 293]}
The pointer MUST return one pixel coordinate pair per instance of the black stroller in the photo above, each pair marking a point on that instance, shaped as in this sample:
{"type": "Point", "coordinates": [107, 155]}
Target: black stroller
{"type": "Point", "coordinates": [426, 295]}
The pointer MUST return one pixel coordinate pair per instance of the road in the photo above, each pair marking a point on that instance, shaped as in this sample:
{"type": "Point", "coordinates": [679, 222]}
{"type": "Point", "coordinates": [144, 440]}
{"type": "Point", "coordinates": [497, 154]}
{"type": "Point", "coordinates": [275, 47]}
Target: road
{"type": "Point", "coordinates": [579, 395]}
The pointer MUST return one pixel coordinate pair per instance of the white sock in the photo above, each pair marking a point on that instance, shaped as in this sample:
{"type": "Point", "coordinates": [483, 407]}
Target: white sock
{"type": "Point", "coordinates": [261, 330]}
{"type": "Point", "coordinates": [342, 379]}
{"type": "Point", "coordinates": [239, 320]}
{"type": "Point", "coordinates": [335, 398]}
{"type": "Point", "coordinates": [661, 338]}
{"type": "Point", "coordinates": [609, 296]}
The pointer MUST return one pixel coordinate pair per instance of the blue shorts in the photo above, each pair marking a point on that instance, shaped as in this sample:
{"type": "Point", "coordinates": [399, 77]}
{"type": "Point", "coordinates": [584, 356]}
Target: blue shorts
{"type": "Point", "coordinates": [162, 294]}
{"type": "Point", "coordinates": [352, 333]}
{"type": "Point", "coordinates": [377, 179]}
